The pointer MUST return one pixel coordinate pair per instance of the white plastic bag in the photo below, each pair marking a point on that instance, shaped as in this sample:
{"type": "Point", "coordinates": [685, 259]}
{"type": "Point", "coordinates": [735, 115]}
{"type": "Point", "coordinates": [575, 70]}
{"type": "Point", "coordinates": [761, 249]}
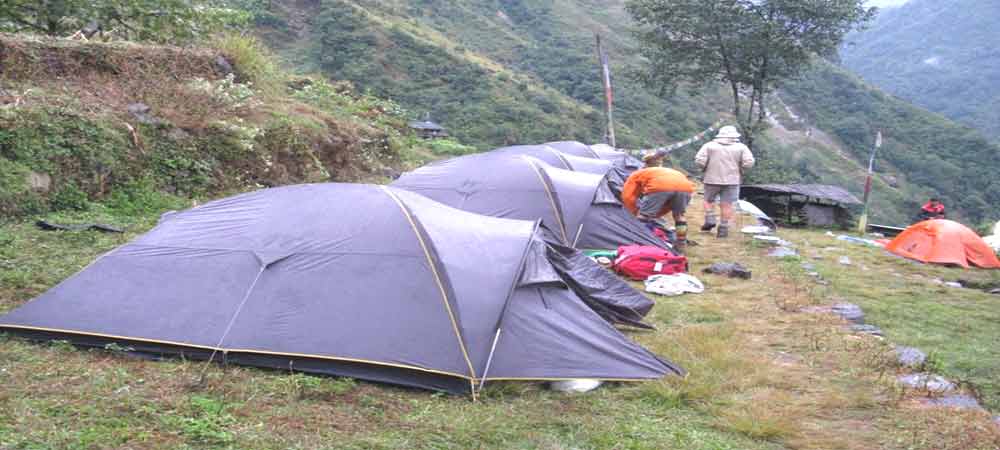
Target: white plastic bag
{"type": "Point", "coordinates": [575, 386]}
{"type": "Point", "coordinates": [672, 285]}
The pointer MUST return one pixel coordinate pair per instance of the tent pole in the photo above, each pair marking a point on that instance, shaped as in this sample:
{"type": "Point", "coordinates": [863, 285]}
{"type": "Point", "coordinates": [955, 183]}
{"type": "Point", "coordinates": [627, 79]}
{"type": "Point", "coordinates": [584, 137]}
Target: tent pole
{"type": "Point", "coordinates": [489, 359]}
{"type": "Point", "coordinates": [503, 312]}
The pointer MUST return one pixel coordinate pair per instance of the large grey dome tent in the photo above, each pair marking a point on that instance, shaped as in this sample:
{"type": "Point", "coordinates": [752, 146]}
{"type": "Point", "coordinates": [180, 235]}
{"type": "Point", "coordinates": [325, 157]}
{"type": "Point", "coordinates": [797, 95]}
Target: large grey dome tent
{"type": "Point", "coordinates": [623, 164]}
{"type": "Point", "coordinates": [558, 159]}
{"type": "Point", "coordinates": [363, 281]}
{"type": "Point", "coordinates": [578, 207]}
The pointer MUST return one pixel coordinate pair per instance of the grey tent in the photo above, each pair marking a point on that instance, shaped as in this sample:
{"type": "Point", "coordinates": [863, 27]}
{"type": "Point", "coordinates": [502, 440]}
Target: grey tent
{"type": "Point", "coordinates": [623, 164]}
{"type": "Point", "coordinates": [556, 158]}
{"type": "Point", "coordinates": [362, 281]}
{"type": "Point", "coordinates": [598, 151]}
{"type": "Point", "coordinates": [579, 208]}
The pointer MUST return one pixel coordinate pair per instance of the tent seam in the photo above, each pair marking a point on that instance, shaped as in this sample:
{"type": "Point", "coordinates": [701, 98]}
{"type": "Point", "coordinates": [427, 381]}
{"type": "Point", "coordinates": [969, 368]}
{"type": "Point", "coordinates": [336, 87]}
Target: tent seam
{"type": "Point", "coordinates": [552, 202]}
{"type": "Point", "coordinates": [437, 278]}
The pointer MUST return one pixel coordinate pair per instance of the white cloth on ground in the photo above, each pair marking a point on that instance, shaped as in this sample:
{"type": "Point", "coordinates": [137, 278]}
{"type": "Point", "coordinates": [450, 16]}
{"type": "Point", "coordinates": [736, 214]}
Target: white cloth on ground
{"type": "Point", "coordinates": [676, 284]}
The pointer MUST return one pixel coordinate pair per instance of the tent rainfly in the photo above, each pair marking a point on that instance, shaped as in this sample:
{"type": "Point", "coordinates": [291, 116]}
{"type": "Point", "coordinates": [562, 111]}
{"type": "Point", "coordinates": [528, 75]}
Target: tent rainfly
{"type": "Point", "coordinates": [411, 292]}
{"type": "Point", "coordinates": [944, 242]}
{"type": "Point", "coordinates": [623, 164]}
{"type": "Point", "coordinates": [558, 159]}
{"type": "Point", "coordinates": [578, 208]}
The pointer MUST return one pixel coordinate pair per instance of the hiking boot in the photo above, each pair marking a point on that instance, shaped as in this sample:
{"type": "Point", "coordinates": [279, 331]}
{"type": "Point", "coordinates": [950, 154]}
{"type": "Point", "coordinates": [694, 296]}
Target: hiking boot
{"type": "Point", "coordinates": [707, 228]}
{"type": "Point", "coordinates": [723, 232]}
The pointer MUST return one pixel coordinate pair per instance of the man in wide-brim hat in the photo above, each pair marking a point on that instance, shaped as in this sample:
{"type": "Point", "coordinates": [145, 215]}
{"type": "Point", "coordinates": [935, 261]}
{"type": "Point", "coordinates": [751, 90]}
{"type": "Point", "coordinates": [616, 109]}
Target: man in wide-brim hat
{"type": "Point", "coordinates": [723, 160]}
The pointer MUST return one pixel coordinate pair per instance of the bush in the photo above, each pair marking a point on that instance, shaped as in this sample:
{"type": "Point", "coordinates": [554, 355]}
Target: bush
{"type": "Point", "coordinates": [69, 197]}
{"type": "Point", "coordinates": [448, 147]}
{"type": "Point", "coordinates": [14, 189]}
{"type": "Point", "coordinates": [252, 61]}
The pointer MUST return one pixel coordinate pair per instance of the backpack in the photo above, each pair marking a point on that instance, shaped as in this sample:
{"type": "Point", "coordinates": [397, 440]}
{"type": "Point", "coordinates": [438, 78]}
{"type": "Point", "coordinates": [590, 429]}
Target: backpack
{"type": "Point", "coordinates": [639, 262]}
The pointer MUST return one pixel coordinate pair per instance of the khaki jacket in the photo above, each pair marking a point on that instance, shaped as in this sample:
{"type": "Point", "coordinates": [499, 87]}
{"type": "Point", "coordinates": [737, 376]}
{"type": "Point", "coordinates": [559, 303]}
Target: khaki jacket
{"type": "Point", "coordinates": [724, 161]}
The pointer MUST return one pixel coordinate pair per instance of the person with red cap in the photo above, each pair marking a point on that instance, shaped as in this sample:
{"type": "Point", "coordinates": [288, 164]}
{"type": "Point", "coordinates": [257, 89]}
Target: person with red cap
{"type": "Point", "coordinates": [933, 209]}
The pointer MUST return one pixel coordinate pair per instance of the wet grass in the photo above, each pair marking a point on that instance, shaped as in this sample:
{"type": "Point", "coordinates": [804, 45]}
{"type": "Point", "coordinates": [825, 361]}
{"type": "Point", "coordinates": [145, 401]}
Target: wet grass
{"type": "Point", "coordinates": [762, 376]}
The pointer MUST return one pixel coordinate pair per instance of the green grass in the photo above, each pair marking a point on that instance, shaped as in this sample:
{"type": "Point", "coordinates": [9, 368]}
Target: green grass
{"type": "Point", "coordinates": [959, 327]}
{"type": "Point", "coordinates": [762, 376]}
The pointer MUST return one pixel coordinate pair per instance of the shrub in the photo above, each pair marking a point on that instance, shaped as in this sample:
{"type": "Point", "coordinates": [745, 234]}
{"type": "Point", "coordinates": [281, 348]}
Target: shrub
{"type": "Point", "coordinates": [70, 197]}
{"type": "Point", "coordinates": [15, 194]}
{"type": "Point", "coordinates": [448, 147]}
{"type": "Point", "coordinates": [252, 61]}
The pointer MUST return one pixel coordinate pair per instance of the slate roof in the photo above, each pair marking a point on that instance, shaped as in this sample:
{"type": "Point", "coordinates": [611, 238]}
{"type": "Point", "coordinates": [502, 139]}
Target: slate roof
{"type": "Point", "coordinates": [817, 191]}
{"type": "Point", "coordinates": [426, 125]}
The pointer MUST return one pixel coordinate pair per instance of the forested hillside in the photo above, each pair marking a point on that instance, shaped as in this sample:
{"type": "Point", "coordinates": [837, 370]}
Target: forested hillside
{"type": "Point", "coordinates": [924, 154]}
{"type": "Point", "coordinates": [939, 54]}
{"type": "Point", "coordinates": [518, 71]}
{"type": "Point", "coordinates": [494, 73]}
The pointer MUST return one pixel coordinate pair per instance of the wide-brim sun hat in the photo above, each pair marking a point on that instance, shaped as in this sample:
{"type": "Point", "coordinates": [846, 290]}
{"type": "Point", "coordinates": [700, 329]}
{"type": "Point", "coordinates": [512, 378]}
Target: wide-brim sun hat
{"type": "Point", "coordinates": [728, 132]}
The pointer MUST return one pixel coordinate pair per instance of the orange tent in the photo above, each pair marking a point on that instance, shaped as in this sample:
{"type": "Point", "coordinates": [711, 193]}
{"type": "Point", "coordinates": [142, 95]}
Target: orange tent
{"type": "Point", "coordinates": [944, 242]}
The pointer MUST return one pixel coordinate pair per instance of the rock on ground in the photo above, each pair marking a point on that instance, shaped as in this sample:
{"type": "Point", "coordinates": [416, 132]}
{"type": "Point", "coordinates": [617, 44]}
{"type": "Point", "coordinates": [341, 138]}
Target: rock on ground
{"type": "Point", "coordinates": [954, 401]}
{"type": "Point", "coordinates": [867, 329]}
{"type": "Point", "coordinates": [850, 312]}
{"type": "Point", "coordinates": [781, 252]}
{"type": "Point", "coordinates": [142, 113]}
{"type": "Point", "coordinates": [39, 181]}
{"type": "Point", "coordinates": [930, 382]}
{"type": "Point", "coordinates": [910, 356]}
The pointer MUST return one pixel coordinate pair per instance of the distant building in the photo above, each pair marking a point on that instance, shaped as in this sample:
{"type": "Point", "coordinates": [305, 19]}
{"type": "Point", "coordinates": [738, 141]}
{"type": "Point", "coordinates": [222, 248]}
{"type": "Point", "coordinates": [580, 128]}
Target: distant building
{"type": "Point", "coordinates": [813, 205]}
{"type": "Point", "coordinates": [428, 129]}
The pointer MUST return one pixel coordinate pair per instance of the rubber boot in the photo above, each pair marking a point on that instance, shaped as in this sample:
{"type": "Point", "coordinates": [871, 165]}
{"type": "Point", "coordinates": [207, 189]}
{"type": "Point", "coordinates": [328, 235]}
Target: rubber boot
{"type": "Point", "coordinates": [723, 232]}
{"type": "Point", "coordinates": [710, 221]}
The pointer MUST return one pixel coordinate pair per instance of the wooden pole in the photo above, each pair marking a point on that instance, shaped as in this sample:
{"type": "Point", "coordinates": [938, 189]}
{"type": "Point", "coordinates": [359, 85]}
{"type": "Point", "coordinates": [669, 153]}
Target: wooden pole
{"type": "Point", "coordinates": [863, 222]}
{"type": "Point", "coordinates": [608, 93]}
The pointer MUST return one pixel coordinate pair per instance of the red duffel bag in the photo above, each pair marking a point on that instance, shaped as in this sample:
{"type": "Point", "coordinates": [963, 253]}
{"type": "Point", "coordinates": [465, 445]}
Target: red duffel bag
{"type": "Point", "coordinates": [639, 262]}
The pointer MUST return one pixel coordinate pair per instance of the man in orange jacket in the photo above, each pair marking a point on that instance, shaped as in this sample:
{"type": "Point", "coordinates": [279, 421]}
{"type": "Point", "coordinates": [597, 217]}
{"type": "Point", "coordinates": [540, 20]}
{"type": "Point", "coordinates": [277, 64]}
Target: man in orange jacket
{"type": "Point", "coordinates": [653, 192]}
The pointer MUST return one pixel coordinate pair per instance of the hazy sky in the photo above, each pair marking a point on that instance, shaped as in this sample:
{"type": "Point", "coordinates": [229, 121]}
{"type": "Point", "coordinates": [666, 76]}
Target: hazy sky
{"type": "Point", "coordinates": [884, 3]}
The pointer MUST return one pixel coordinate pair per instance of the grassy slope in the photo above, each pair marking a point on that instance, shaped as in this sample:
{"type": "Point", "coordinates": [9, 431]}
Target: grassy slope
{"type": "Point", "coordinates": [762, 375]}
{"type": "Point", "coordinates": [65, 115]}
{"type": "Point", "coordinates": [958, 327]}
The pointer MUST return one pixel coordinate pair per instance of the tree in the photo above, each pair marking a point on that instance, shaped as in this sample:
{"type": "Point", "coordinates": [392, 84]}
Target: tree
{"type": "Point", "coordinates": [750, 45]}
{"type": "Point", "coordinates": [146, 20]}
